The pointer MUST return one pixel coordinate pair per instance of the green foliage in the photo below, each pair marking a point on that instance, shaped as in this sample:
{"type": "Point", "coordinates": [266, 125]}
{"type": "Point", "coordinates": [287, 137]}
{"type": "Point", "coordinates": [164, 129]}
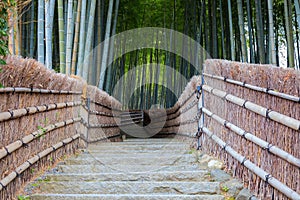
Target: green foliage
{"type": "Point", "coordinates": [225, 189]}
{"type": "Point", "coordinates": [32, 171]}
{"type": "Point", "coordinates": [42, 133]}
{"type": "Point", "coordinates": [46, 180]}
{"type": "Point", "coordinates": [21, 197]}
{"type": "Point", "coordinates": [57, 116]}
{"type": "Point", "coordinates": [35, 184]}
{"type": "Point", "coordinates": [4, 6]}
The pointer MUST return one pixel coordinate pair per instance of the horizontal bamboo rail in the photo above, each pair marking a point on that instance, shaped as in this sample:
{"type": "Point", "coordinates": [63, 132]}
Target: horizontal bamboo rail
{"type": "Point", "coordinates": [20, 169]}
{"type": "Point", "coordinates": [189, 135]}
{"type": "Point", "coordinates": [179, 105]}
{"type": "Point", "coordinates": [101, 104]}
{"type": "Point", "coordinates": [29, 138]}
{"type": "Point", "coordinates": [105, 114]}
{"type": "Point", "coordinates": [184, 123]}
{"type": "Point", "coordinates": [87, 125]}
{"type": "Point", "coordinates": [12, 114]}
{"type": "Point", "coordinates": [36, 90]}
{"type": "Point", "coordinates": [265, 112]}
{"type": "Point", "coordinates": [251, 137]}
{"type": "Point", "coordinates": [184, 110]}
{"type": "Point", "coordinates": [252, 167]}
{"type": "Point", "coordinates": [256, 88]}
{"type": "Point", "coordinates": [100, 139]}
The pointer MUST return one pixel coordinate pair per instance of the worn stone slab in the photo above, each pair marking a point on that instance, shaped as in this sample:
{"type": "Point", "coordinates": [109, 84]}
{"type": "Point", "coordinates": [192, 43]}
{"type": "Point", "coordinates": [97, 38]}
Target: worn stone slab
{"type": "Point", "coordinates": [129, 159]}
{"type": "Point", "coordinates": [123, 197]}
{"type": "Point", "coordinates": [132, 150]}
{"type": "Point", "coordinates": [130, 187]}
{"type": "Point", "coordinates": [102, 168]}
{"type": "Point", "coordinates": [199, 175]}
{"type": "Point", "coordinates": [152, 147]}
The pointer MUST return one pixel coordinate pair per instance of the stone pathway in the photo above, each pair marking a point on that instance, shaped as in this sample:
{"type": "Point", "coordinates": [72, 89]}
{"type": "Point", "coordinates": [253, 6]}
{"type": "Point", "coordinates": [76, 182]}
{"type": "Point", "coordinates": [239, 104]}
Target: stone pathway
{"type": "Point", "coordinates": [137, 169]}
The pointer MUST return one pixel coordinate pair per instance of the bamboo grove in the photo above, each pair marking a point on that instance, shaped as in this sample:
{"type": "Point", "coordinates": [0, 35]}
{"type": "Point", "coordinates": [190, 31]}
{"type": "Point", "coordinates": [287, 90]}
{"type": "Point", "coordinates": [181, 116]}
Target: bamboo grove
{"type": "Point", "coordinates": [63, 33]}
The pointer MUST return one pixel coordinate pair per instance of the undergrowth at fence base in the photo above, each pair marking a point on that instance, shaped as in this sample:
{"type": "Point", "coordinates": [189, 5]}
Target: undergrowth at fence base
{"type": "Point", "coordinates": [21, 197]}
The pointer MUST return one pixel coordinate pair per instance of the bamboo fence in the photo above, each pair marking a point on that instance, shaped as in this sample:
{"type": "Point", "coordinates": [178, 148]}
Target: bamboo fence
{"type": "Point", "coordinates": [182, 119]}
{"type": "Point", "coordinates": [44, 116]}
{"type": "Point", "coordinates": [252, 113]}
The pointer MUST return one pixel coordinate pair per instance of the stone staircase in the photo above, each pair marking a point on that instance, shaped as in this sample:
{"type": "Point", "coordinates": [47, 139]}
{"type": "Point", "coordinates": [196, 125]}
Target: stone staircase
{"type": "Point", "coordinates": [133, 169]}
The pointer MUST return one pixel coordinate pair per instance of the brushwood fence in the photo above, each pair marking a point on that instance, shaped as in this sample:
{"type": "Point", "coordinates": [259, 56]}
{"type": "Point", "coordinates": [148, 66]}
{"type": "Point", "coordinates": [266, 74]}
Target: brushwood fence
{"type": "Point", "coordinates": [250, 118]}
{"type": "Point", "coordinates": [45, 116]}
{"type": "Point", "coordinates": [182, 119]}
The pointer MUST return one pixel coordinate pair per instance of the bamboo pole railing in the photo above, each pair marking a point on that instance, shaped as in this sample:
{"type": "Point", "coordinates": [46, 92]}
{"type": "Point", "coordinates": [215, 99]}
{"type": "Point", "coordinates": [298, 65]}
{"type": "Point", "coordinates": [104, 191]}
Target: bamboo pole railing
{"type": "Point", "coordinates": [252, 167]}
{"type": "Point", "coordinates": [255, 88]}
{"type": "Point", "coordinates": [36, 90]}
{"type": "Point", "coordinates": [12, 114]}
{"type": "Point", "coordinates": [251, 137]}
{"type": "Point", "coordinates": [100, 139]}
{"type": "Point", "coordinates": [23, 167]}
{"type": "Point", "coordinates": [180, 105]}
{"type": "Point", "coordinates": [102, 105]}
{"type": "Point", "coordinates": [265, 112]}
{"type": "Point", "coordinates": [105, 114]}
{"type": "Point", "coordinates": [34, 135]}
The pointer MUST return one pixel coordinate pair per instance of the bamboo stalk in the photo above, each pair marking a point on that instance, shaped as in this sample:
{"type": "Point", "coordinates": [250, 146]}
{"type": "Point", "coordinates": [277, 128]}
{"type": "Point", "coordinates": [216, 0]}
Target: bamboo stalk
{"type": "Point", "coordinates": [23, 167]}
{"type": "Point", "coordinates": [256, 88]}
{"type": "Point", "coordinates": [267, 113]}
{"type": "Point", "coordinates": [36, 109]}
{"type": "Point", "coordinates": [251, 137]}
{"type": "Point", "coordinates": [34, 135]}
{"type": "Point", "coordinates": [252, 167]}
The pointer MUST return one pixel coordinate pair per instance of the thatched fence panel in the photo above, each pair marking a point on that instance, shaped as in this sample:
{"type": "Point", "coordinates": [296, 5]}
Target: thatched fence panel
{"type": "Point", "coordinates": [44, 116]}
{"type": "Point", "coordinates": [182, 118]}
{"type": "Point", "coordinates": [252, 113]}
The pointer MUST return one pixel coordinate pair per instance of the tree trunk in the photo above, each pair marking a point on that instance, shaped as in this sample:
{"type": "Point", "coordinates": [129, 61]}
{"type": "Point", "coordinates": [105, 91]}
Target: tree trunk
{"type": "Point", "coordinates": [223, 54]}
{"type": "Point", "coordinates": [99, 37]}
{"type": "Point", "coordinates": [289, 33]}
{"type": "Point", "coordinates": [214, 38]}
{"type": "Point", "coordinates": [242, 31]}
{"type": "Point", "coordinates": [49, 12]}
{"type": "Point", "coordinates": [111, 49]}
{"type": "Point", "coordinates": [32, 25]}
{"type": "Point", "coordinates": [69, 43]}
{"type": "Point", "coordinates": [81, 39]}
{"type": "Point", "coordinates": [76, 38]}
{"type": "Point", "coordinates": [41, 32]}
{"type": "Point", "coordinates": [272, 51]}
{"type": "Point", "coordinates": [232, 48]}
{"type": "Point", "coordinates": [249, 16]}
{"type": "Point", "coordinates": [88, 44]}
{"type": "Point", "coordinates": [106, 44]}
{"type": "Point", "coordinates": [260, 32]}
{"type": "Point", "coordinates": [61, 27]}
{"type": "Point", "coordinates": [297, 8]}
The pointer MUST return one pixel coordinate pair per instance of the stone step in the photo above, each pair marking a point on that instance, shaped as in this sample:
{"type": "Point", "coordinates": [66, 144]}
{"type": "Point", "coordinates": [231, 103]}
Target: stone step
{"type": "Point", "coordinates": [138, 169]}
{"type": "Point", "coordinates": [103, 168]}
{"type": "Point", "coordinates": [123, 197]}
{"type": "Point", "coordinates": [134, 142]}
{"type": "Point", "coordinates": [149, 147]}
{"type": "Point", "coordinates": [200, 175]}
{"type": "Point", "coordinates": [125, 160]}
{"type": "Point", "coordinates": [152, 140]}
{"type": "Point", "coordinates": [118, 150]}
{"type": "Point", "coordinates": [130, 187]}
